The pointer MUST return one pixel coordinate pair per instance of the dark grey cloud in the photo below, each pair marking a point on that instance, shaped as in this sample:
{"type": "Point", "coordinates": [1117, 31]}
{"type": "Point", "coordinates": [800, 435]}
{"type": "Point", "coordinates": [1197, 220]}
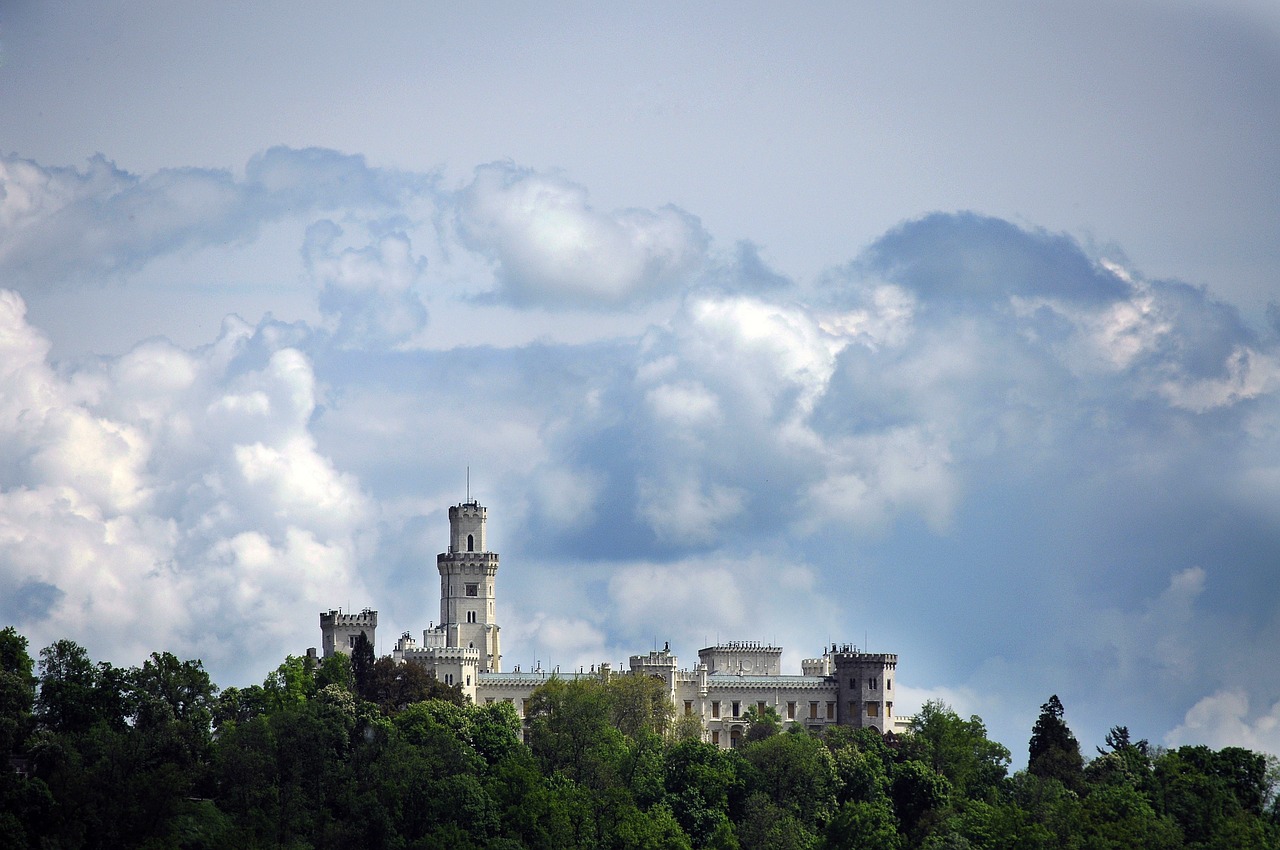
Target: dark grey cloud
{"type": "Point", "coordinates": [63, 225]}
{"type": "Point", "coordinates": [966, 258]}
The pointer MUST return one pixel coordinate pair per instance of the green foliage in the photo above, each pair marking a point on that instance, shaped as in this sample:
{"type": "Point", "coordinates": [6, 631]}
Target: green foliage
{"type": "Point", "coordinates": [156, 757]}
{"type": "Point", "coordinates": [394, 687]}
{"type": "Point", "coordinates": [639, 704]}
{"type": "Point", "coordinates": [762, 724]}
{"type": "Point", "coordinates": [17, 690]}
{"type": "Point", "coordinates": [362, 661]}
{"type": "Point", "coordinates": [862, 825]}
{"type": "Point", "coordinates": [1119, 817]}
{"type": "Point", "coordinates": [918, 792]}
{"type": "Point", "coordinates": [1053, 751]}
{"type": "Point", "coordinates": [291, 684]}
{"type": "Point", "coordinates": [796, 773]}
{"type": "Point", "coordinates": [958, 749]}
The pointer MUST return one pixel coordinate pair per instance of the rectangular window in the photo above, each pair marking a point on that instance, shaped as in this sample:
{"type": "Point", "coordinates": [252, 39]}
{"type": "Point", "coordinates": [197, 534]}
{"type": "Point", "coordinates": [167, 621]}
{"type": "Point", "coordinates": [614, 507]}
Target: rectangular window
{"type": "Point", "coordinates": [831, 711]}
{"type": "Point", "coordinates": [873, 709]}
{"type": "Point", "coordinates": [760, 708]}
{"type": "Point", "coordinates": [791, 711]}
{"type": "Point", "coordinates": [888, 709]}
{"type": "Point", "coordinates": [888, 684]}
{"type": "Point", "coordinates": [853, 712]}
{"type": "Point", "coordinates": [736, 706]}
{"type": "Point", "coordinates": [488, 700]}
{"type": "Point", "coordinates": [813, 711]}
{"type": "Point", "coordinates": [715, 737]}
{"type": "Point", "coordinates": [715, 708]}
{"type": "Point", "coordinates": [688, 707]}
{"type": "Point", "coordinates": [524, 707]}
{"type": "Point", "coordinates": [473, 590]}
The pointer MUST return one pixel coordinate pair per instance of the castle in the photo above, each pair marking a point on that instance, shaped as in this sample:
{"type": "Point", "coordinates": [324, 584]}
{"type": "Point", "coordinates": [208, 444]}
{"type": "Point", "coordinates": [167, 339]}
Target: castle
{"type": "Point", "coordinates": [841, 687]}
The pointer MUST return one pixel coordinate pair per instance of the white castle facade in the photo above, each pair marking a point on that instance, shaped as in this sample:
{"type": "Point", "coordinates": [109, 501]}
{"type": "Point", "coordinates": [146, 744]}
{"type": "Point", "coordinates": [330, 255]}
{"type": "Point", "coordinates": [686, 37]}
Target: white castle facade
{"type": "Point", "coordinates": [841, 687]}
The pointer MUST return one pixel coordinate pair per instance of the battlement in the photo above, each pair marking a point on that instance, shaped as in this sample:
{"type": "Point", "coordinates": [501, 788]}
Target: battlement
{"type": "Point", "coordinates": [453, 556]}
{"type": "Point", "coordinates": [468, 509]}
{"type": "Point", "coordinates": [742, 657]}
{"type": "Point", "coordinates": [335, 617]}
{"type": "Point", "coordinates": [339, 631]}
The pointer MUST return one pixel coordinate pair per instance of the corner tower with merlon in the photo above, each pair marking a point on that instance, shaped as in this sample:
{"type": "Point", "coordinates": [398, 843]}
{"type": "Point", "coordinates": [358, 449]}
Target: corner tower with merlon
{"type": "Point", "coordinates": [467, 597]}
{"type": "Point", "coordinates": [865, 681]}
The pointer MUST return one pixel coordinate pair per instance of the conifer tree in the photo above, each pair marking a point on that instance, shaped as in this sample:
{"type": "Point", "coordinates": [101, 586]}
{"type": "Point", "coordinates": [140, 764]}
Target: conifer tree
{"type": "Point", "coordinates": [1054, 752]}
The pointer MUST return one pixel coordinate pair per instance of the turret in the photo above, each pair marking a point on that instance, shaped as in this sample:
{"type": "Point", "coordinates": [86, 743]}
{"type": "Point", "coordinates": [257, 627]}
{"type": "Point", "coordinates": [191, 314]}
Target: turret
{"type": "Point", "coordinates": [467, 593]}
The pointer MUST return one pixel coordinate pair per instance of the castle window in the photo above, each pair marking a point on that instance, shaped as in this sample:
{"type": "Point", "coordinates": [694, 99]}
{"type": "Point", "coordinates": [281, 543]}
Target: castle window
{"type": "Point", "coordinates": [468, 681]}
{"type": "Point", "coordinates": [760, 708]}
{"type": "Point", "coordinates": [473, 590]}
{"type": "Point", "coordinates": [688, 707]}
{"type": "Point", "coordinates": [488, 700]}
{"type": "Point", "coordinates": [791, 711]}
{"type": "Point", "coordinates": [831, 711]}
{"type": "Point", "coordinates": [736, 704]}
{"type": "Point", "coordinates": [873, 709]}
{"type": "Point", "coordinates": [888, 684]}
{"type": "Point", "coordinates": [471, 616]}
{"type": "Point", "coordinates": [471, 543]}
{"type": "Point", "coordinates": [813, 711]}
{"type": "Point", "coordinates": [715, 737]}
{"type": "Point", "coordinates": [715, 708]}
{"type": "Point", "coordinates": [871, 683]}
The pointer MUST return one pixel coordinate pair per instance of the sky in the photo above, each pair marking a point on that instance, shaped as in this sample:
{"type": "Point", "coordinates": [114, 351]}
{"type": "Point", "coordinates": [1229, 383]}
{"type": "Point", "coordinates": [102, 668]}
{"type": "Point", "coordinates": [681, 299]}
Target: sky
{"type": "Point", "coordinates": [938, 329]}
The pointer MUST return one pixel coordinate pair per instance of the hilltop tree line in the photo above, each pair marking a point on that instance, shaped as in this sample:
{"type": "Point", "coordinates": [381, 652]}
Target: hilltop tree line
{"type": "Point", "coordinates": [361, 752]}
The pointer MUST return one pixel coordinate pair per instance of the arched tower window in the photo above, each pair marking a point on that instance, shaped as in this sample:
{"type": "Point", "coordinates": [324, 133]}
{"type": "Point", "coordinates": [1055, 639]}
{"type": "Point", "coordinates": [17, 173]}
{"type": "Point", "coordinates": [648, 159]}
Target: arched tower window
{"type": "Point", "coordinates": [471, 543]}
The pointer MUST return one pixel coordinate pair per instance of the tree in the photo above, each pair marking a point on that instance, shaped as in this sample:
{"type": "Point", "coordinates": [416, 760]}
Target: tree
{"type": "Point", "coordinates": [917, 790]}
{"type": "Point", "coordinates": [762, 724]}
{"type": "Point", "coordinates": [1119, 817]}
{"type": "Point", "coordinates": [290, 684]}
{"type": "Point", "coordinates": [958, 749]}
{"type": "Point", "coordinates": [395, 686]}
{"type": "Point", "coordinates": [75, 694]}
{"type": "Point", "coordinates": [362, 661]}
{"type": "Point", "coordinates": [570, 729]}
{"type": "Point", "coordinates": [863, 826]}
{"type": "Point", "coordinates": [17, 690]}
{"type": "Point", "coordinates": [174, 698]}
{"type": "Point", "coordinates": [797, 774]}
{"type": "Point", "coordinates": [699, 779]}
{"type": "Point", "coordinates": [1054, 752]}
{"type": "Point", "coordinates": [639, 704]}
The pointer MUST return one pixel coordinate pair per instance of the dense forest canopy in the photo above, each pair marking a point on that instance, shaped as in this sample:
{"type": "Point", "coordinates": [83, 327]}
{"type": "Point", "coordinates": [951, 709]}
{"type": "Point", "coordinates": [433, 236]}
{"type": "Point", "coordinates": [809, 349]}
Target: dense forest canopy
{"type": "Point", "coordinates": [365, 752]}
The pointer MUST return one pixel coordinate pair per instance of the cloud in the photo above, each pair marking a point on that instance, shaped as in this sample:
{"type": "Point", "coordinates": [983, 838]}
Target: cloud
{"type": "Point", "coordinates": [552, 248]}
{"type": "Point", "coordinates": [1027, 469]}
{"type": "Point", "coordinates": [169, 498]}
{"type": "Point", "coordinates": [368, 294]}
{"type": "Point", "coordinates": [62, 225]}
{"type": "Point", "coordinates": [1223, 719]}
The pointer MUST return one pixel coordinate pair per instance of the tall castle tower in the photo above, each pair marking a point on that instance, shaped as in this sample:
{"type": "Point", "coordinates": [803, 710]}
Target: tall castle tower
{"type": "Point", "coordinates": [467, 572]}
